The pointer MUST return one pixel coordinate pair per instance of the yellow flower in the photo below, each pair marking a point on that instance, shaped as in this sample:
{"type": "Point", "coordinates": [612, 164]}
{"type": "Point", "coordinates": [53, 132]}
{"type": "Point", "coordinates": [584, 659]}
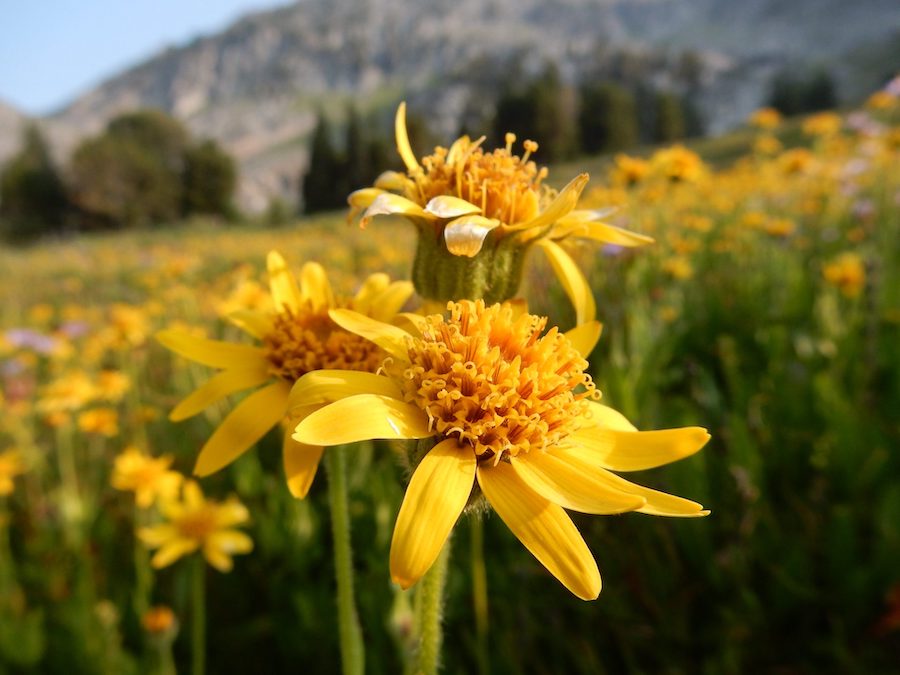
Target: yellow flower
{"type": "Point", "coordinates": [112, 385]}
{"type": "Point", "coordinates": [765, 118]}
{"type": "Point", "coordinates": [150, 478]}
{"type": "Point", "coordinates": [100, 421]}
{"type": "Point", "coordinates": [67, 393]}
{"type": "Point", "coordinates": [470, 203]}
{"type": "Point", "coordinates": [822, 124]}
{"type": "Point", "coordinates": [159, 620]}
{"type": "Point", "coordinates": [296, 338]}
{"type": "Point", "coordinates": [847, 273]}
{"type": "Point", "coordinates": [11, 465]}
{"type": "Point", "coordinates": [196, 523]}
{"type": "Point", "coordinates": [510, 415]}
{"type": "Point", "coordinates": [881, 100]}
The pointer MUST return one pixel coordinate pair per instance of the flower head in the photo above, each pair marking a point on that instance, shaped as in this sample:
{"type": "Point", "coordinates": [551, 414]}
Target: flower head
{"type": "Point", "coordinates": [11, 465]}
{"type": "Point", "coordinates": [847, 273]}
{"type": "Point", "coordinates": [150, 478]}
{"type": "Point", "coordinates": [476, 206]}
{"type": "Point", "coordinates": [509, 411]}
{"type": "Point", "coordinates": [296, 338]}
{"type": "Point", "coordinates": [196, 523]}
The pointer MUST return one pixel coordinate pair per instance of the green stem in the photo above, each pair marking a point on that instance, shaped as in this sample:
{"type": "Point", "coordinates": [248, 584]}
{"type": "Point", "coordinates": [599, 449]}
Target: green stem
{"type": "Point", "coordinates": [352, 652]}
{"type": "Point", "coordinates": [198, 623]}
{"type": "Point", "coordinates": [431, 590]}
{"type": "Point", "coordinates": [479, 592]}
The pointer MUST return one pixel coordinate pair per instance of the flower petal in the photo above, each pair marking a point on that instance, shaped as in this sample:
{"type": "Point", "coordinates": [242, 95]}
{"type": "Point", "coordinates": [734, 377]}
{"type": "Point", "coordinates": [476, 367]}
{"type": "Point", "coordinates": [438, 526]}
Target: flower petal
{"type": "Point", "coordinates": [390, 204]}
{"type": "Point", "coordinates": [387, 303]}
{"type": "Point", "coordinates": [172, 551]}
{"type": "Point", "coordinates": [571, 486]}
{"type": "Point", "coordinates": [300, 464]}
{"type": "Point", "coordinates": [314, 286]}
{"type": "Point", "coordinates": [327, 386]}
{"type": "Point", "coordinates": [215, 353]}
{"type": "Point", "coordinates": [609, 418]}
{"type": "Point", "coordinates": [359, 200]}
{"type": "Point", "coordinates": [601, 232]}
{"type": "Point", "coordinates": [391, 339]}
{"type": "Point", "coordinates": [565, 201]}
{"type": "Point", "coordinates": [658, 503]}
{"type": "Point", "coordinates": [257, 324]}
{"type": "Point", "coordinates": [639, 450]}
{"type": "Point", "coordinates": [543, 527]}
{"type": "Point", "coordinates": [282, 283]}
{"type": "Point", "coordinates": [363, 417]}
{"type": "Point", "coordinates": [465, 236]}
{"type": "Point", "coordinates": [573, 281]}
{"type": "Point", "coordinates": [448, 206]}
{"type": "Point", "coordinates": [371, 287]}
{"type": "Point", "coordinates": [584, 337]}
{"type": "Point", "coordinates": [393, 181]}
{"type": "Point", "coordinates": [243, 427]}
{"type": "Point", "coordinates": [403, 146]}
{"type": "Point", "coordinates": [437, 494]}
{"type": "Point", "coordinates": [231, 542]}
{"type": "Point", "coordinates": [218, 387]}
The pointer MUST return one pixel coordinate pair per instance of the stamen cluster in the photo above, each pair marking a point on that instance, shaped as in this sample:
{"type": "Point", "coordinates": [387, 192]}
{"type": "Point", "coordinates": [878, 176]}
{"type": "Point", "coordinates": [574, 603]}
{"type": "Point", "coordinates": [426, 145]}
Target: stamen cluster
{"type": "Point", "coordinates": [492, 381]}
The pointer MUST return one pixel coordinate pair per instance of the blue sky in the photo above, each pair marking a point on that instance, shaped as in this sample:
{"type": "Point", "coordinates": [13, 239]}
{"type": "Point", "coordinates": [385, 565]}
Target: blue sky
{"type": "Point", "coordinates": [52, 50]}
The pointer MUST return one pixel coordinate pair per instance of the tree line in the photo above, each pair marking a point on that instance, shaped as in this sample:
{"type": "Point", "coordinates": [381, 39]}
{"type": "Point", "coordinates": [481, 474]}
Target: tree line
{"type": "Point", "coordinates": [143, 169]}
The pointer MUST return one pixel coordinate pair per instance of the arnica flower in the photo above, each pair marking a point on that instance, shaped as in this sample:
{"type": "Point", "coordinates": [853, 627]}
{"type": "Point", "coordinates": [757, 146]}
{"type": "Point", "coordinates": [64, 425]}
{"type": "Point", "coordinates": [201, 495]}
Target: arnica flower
{"type": "Point", "coordinates": [11, 465]}
{"type": "Point", "coordinates": [507, 413]}
{"type": "Point", "coordinates": [297, 338]}
{"type": "Point", "coordinates": [99, 421]}
{"type": "Point", "coordinates": [150, 478]}
{"type": "Point", "coordinates": [196, 523]}
{"type": "Point", "coordinates": [847, 273]}
{"type": "Point", "coordinates": [478, 213]}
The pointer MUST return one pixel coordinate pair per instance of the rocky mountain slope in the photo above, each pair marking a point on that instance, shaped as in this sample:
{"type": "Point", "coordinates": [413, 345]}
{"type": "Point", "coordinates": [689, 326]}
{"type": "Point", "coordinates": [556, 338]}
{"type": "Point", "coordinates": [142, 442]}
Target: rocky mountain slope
{"type": "Point", "coordinates": [255, 86]}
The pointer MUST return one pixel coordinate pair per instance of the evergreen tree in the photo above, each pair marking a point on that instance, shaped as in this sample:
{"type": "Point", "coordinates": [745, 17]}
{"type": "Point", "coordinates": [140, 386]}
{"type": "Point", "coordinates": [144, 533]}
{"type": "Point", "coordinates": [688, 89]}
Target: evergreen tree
{"type": "Point", "coordinates": [210, 177]}
{"type": "Point", "coordinates": [607, 120]}
{"type": "Point", "coordinates": [323, 185]}
{"type": "Point", "coordinates": [32, 196]}
{"type": "Point", "coordinates": [358, 171]}
{"type": "Point", "coordinates": [670, 123]}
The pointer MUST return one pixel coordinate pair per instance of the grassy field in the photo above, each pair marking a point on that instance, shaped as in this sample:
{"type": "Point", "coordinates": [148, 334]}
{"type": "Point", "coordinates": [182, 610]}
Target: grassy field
{"type": "Point", "coordinates": [768, 311]}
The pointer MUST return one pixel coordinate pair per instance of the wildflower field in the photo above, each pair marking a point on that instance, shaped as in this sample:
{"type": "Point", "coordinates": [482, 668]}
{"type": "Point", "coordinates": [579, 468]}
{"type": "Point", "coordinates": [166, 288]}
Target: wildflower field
{"type": "Point", "coordinates": [766, 311]}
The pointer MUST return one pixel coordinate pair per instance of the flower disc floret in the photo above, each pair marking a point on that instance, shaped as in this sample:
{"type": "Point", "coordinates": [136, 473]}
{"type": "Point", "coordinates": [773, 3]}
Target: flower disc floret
{"type": "Point", "coordinates": [493, 382]}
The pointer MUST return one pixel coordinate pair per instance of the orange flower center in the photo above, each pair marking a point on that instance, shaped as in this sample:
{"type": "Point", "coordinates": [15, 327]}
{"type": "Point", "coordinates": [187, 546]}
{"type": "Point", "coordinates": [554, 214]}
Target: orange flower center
{"type": "Point", "coordinates": [493, 382]}
{"type": "Point", "coordinates": [198, 524]}
{"type": "Point", "coordinates": [506, 187]}
{"type": "Point", "coordinates": [309, 340]}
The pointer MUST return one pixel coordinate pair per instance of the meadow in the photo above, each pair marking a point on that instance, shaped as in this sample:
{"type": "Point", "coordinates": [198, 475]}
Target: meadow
{"type": "Point", "coordinates": [767, 311]}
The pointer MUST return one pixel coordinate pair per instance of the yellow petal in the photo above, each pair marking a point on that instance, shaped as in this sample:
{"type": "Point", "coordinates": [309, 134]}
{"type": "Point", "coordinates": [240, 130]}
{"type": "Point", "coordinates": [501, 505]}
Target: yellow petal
{"type": "Point", "coordinates": [218, 387]}
{"type": "Point", "coordinates": [638, 450]}
{"type": "Point", "coordinates": [363, 417]}
{"type": "Point", "coordinates": [403, 146]}
{"type": "Point", "coordinates": [543, 527]}
{"type": "Point", "coordinates": [314, 286]}
{"type": "Point", "coordinates": [282, 283]}
{"type": "Point", "coordinates": [387, 303]}
{"type": "Point", "coordinates": [609, 418]}
{"type": "Point", "coordinates": [448, 206]}
{"type": "Point", "coordinates": [604, 233]}
{"type": "Point", "coordinates": [393, 181]}
{"type": "Point", "coordinates": [300, 464]}
{"type": "Point", "coordinates": [565, 201]}
{"type": "Point", "coordinates": [256, 324]}
{"type": "Point", "coordinates": [243, 427]}
{"type": "Point", "coordinates": [360, 200]}
{"type": "Point", "coordinates": [465, 236]}
{"type": "Point", "coordinates": [220, 546]}
{"type": "Point", "coordinates": [172, 551]}
{"type": "Point", "coordinates": [371, 287]}
{"type": "Point", "coordinates": [327, 386]}
{"type": "Point", "coordinates": [571, 486]}
{"type": "Point", "coordinates": [658, 503]}
{"type": "Point", "coordinates": [413, 323]}
{"type": "Point", "coordinates": [437, 494]}
{"type": "Point", "coordinates": [387, 204]}
{"type": "Point", "coordinates": [573, 281]}
{"type": "Point", "coordinates": [391, 339]}
{"type": "Point", "coordinates": [213, 353]}
{"type": "Point", "coordinates": [584, 337]}
{"type": "Point", "coordinates": [155, 536]}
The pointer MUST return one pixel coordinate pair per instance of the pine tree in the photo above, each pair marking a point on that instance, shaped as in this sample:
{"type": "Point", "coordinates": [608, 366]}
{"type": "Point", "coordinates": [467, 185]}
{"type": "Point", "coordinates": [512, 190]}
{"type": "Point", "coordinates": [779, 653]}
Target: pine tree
{"type": "Point", "coordinates": [607, 120]}
{"type": "Point", "coordinates": [670, 124]}
{"type": "Point", "coordinates": [323, 184]}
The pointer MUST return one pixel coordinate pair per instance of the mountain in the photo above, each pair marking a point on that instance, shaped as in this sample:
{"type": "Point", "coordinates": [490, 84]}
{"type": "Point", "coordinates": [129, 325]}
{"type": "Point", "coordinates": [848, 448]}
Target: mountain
{"type": "Point", "coordinates": [11, 127]}
{"type": "Point", "coordinates": [256, 86]}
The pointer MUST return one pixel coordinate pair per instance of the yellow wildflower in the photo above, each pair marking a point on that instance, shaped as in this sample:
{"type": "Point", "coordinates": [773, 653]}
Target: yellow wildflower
{"type": "Point", "coordinates": [881, 100]}
{"type": "Point", "coordinates": [822, 124]}
{"type": "Point", "coordinates": [100, 421]}
{"type": "Point", "coordinates": [150, 478]}
{"type": "Point", "coordinates": [296, 338]}
{"type": "Point", "coordinates": [489, 206]}
{"type": "Point", "coordinates": [69, 392]}
{"type": "Point", "coordinates": [765, 118]}
{"type": "Point", "coordinates": [159, 620]}
{"type": "Point", "coordinates": [510, 413]}
{"type": "Point", "coordinates": [112, 385]}
{"type": "Point", "coordinates": [195, 523]}
{"type": "Point", "coordinates": [11, 465]}
{"type": "Point", "coordinates": [847, 273]}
